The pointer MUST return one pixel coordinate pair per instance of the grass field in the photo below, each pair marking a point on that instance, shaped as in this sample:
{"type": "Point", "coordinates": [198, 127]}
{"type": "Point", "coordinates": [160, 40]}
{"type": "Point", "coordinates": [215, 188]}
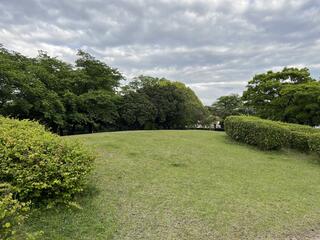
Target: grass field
{"type": "Point", "coordinates": [188, 185]}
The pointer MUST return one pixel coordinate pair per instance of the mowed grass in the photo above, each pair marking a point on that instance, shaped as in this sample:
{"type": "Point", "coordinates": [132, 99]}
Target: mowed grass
{"type": "Point", "coordinates": [188, 185]}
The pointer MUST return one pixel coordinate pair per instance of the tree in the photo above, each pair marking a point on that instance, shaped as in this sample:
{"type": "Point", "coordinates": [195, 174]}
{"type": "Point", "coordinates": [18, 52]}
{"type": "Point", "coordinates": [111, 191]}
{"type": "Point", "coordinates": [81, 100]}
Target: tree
{"type": "Point", "coordinates": [65, 98]}
{"type": "Point", "coordinates": [196, 113]}
{"type": "Point", "coordinates": [300, 103]}
{"type": "Point", "coordinates": [85, 97]}
{"type": "Point", "coordinates": [136, 111]}
{"type": "Point", "coordinates": [291, 95]}
{"type": "Point", "coordinates": [264, 90]}
{"type": "Point", "coordinates": [95, 75]}
{"type": "Point", "coordinates": [24, 90]}
{"type": "Point", "coordinates": [95, 84]}
{"type": "Point", "coordinates": [99, 108]}
{"type": "Point", "coordinates": [172, 104]}
{"type": "Point", "coordinates": [226, 106]}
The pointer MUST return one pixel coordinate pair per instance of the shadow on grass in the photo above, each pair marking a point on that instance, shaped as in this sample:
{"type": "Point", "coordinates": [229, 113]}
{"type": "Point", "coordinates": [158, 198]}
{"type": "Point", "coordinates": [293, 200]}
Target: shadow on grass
{"type": "Point", "coordinates": [89, 191]}
{"type": "Point", "coordinates": [308, 157]}
{"type": "Point", "coordinates": [67, 222]}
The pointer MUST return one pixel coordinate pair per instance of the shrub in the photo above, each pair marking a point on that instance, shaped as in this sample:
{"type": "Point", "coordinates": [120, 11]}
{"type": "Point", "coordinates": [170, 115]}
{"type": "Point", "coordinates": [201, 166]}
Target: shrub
{"type": "Point", "coordinates": [269, 135]}
{"type": "Point", "coordinates": [298, 135]}
{"type": "Point", "coordinates": [39, 165]}
{"type": "Point", "coordinates": [314, 143]}
{"type": "Point", "coordinates": [12, 212]}
{"type": "Point", "coordinates": [299, 141]}
{"type": "Point", "coordinates": [254, 131]}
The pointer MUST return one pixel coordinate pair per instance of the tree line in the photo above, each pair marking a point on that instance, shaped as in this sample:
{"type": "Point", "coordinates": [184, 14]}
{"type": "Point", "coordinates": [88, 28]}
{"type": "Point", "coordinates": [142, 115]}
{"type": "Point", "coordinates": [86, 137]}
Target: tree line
{"type": "Point", "coordinates": [87, 96]}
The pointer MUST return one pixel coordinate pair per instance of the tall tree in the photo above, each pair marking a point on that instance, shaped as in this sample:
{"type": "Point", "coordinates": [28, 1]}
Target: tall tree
{"type": "Point", "coordinates": [95, 84]}
{"type": "Point", "coordinates": [264, 90]}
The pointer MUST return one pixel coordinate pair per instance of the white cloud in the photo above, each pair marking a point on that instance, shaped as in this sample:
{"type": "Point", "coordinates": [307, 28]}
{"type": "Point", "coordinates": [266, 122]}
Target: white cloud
{"type": "Point", "coordinates": [214, 46]}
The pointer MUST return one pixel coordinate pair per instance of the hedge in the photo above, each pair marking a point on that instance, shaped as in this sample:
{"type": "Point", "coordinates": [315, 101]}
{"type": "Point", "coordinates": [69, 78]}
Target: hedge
{"type": "Point", "coordinates": [272, 135]}
{"type": "Point", "coordinates": [314, 143]}
{"type": "Point", "coordinates": [39, 165]}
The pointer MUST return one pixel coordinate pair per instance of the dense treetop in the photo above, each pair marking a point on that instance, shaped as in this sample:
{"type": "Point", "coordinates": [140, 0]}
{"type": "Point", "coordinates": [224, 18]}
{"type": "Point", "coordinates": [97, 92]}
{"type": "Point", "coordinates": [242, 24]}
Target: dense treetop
{"type": "Point", "coordinates": [290, 95]}
{"type": "Point", "coordinates": [160, 104]}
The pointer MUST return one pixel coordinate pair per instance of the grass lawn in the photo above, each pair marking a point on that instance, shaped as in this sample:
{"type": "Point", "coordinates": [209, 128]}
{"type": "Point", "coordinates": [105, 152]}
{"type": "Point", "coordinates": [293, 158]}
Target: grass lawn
{"type": "Point", "coordinates": [188, 185]}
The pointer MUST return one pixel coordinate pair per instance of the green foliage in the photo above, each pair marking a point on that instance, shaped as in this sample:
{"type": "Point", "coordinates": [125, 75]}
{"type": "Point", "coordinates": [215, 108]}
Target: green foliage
{"type": "Point", "coordinates": [252, 130]}
{"type": "Point", "coordinates": [300, 103]}
{"type": "Point", "coordinates": [290, 95]}
{"type": "Point", "coordinates": [99, 108]}
{"type": "Point", "coordinates": [269, 135]}
{"type": "Point", "coordinates": [314, 143]}
{"type": "Point", "coordinates": [155, 103]}
{"type": "Point", "coordinates": [84, 97]}
{"type": "Point", "coordinates": [226, 106]}
{"type": "Point", "coordinates": [39, 165]}
{"type": "Point", "coordinates": [136, 111]}
{"type": "Point", "coordinates": [12, 212]}
{"type": "Point", "coordinates": [65, 98]}
{"type": "Point", "coordinates": [30, 88]}
{"type": "Point", "coordinates": [96, 75]}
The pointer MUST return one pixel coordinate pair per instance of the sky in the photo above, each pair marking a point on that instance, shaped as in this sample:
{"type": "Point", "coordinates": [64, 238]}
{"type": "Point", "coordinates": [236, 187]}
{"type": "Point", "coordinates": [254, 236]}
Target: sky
{"type": "Point", "coordinates": [213, 46]}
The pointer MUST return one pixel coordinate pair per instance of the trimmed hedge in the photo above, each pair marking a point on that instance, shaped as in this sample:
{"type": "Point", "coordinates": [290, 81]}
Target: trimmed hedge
{"type": "Point", "coordinates": [272, 135]}
{"type": "Point", "coordinates": [253, 131]}
{"type": "Point", "coordinates": [314, 143]}
{"type": "Point", "coordinates": [39, 165]}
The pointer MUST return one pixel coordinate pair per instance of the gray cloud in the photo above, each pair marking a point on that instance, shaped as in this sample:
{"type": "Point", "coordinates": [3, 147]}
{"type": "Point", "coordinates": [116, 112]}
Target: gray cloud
{"type": "Point", "coordinates": [214, 46]}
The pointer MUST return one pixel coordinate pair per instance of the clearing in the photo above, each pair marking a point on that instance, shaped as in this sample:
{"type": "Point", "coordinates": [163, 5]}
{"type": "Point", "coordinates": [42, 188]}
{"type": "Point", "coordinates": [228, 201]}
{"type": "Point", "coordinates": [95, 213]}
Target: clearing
{"type": "Point", "coordinates": [188, 185]}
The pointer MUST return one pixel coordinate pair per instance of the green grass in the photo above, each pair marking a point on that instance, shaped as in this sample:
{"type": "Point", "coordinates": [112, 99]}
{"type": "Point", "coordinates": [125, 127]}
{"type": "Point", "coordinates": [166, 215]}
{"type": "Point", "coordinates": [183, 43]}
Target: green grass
{"type": "Point", "coordinates": [188, 185]}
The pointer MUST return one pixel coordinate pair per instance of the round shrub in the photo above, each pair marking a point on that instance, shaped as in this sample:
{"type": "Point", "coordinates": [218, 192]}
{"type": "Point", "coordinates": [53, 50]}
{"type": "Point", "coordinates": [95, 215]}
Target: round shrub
{"type": "Point", "coordinates": [41, 166]}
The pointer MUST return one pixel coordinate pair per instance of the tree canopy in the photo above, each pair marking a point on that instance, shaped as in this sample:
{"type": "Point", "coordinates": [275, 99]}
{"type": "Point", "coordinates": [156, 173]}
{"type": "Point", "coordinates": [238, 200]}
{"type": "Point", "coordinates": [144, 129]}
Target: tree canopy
{"type": "Point", "coordinates": [66, 98]}
{"type": "Point", "coordinates": [226, 106]}
{"type": "Point", "coordinates": [290, 95]}
{"type": "Point", "coordinates": [158, 103]}
{"type": "Point", "coordinates": [86, 96]}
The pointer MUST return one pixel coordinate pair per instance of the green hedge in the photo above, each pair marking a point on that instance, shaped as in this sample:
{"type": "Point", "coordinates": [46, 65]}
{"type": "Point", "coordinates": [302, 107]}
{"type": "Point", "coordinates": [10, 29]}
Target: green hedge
{"type": "Point", "coordinates": [314, 143]}
{"type": "Point", "coordinates": [272, 135]}
{"type": "Point", "coordinates": [39, 165]}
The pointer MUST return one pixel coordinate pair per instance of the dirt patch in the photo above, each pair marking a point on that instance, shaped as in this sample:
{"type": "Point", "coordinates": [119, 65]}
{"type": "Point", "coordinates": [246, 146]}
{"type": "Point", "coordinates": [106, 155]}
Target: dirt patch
{"type": "Point", "coordinates": [313, 234]}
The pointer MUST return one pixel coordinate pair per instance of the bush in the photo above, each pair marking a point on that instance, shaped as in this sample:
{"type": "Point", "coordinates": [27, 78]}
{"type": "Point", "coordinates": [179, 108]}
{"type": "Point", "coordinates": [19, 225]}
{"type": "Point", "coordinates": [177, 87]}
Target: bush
{"type": "Point", "coordinates": [298, 135]}
{"type": "Point", "coordinates": [254, 131]}
{"type": "Point", "coordinates": [39, 165]}
{"type": "Point", "coordinates": [299, 141]}
{"type": "Point", "coordinates": [270, 135]}
{"type": "Point", "coordinates": [12, 212]}
{"type": "Point", "coordinates": [314, 143]}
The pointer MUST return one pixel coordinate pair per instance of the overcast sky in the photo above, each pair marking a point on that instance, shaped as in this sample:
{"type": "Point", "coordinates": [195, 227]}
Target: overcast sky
{"type": "Point", "coordinates": [214, 46]}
